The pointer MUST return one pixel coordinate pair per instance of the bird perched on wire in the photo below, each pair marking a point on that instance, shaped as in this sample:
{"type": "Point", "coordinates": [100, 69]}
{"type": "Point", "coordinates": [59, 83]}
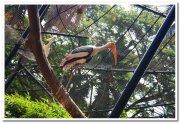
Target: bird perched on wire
{"type": "Point", "coordinates": [84, 54]}
{"type": "Point", "coordinates": [30, 56]}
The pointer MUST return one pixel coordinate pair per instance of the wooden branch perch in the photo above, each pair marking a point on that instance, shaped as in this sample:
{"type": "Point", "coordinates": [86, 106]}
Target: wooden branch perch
{"type": "Point", "coordinates": [35, 44]}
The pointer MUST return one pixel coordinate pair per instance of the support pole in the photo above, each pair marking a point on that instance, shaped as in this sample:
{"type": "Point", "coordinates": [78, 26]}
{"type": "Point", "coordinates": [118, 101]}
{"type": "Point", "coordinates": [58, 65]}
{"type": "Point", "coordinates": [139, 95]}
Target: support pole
{"type": "Point", "coordinates": [130, 87]}
{"type": "Point", "coordinates": [60, 34]}
{"type": "Point", "coordinates": [42, 11]}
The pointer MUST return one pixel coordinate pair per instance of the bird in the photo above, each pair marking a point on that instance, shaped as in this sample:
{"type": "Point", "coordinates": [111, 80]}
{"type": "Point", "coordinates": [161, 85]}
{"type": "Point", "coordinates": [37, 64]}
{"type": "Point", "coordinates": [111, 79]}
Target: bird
{"type": "Point", "coordinates": [30, 56]}
{"type": "Point", "coordinates": [84, 54]}
{"type": "Point", "coordinates": [47, 46]}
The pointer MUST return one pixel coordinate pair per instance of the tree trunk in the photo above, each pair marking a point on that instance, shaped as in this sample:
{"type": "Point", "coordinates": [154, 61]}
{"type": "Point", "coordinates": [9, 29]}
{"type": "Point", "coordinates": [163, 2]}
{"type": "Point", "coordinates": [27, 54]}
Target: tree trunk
{"type": "Point", "coordinates": [35, 44]}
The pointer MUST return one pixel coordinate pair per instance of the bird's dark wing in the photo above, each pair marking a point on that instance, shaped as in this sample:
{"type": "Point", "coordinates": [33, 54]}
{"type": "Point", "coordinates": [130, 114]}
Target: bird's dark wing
{"type": "Point", "coordinates": [88, 49]}
{"type": "Point", "coordinates": [82, 49]}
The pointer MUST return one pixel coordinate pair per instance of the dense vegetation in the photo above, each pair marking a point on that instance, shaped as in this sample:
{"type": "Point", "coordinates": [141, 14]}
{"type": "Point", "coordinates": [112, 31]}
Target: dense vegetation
{"type": "Point", "coordinates": [94, 88]}
{"type": "Point", "coordinates": [17, 106]}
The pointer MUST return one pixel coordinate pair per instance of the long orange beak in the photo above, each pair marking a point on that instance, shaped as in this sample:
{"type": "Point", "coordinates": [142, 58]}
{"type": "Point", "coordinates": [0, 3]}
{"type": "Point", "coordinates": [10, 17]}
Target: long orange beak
{"type": "Point", "coordinates": [113, 50]}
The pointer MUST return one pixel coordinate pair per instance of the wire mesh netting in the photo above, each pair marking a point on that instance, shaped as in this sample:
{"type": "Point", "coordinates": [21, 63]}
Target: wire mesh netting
{"type": "Point", "coordinates": [97, 85]}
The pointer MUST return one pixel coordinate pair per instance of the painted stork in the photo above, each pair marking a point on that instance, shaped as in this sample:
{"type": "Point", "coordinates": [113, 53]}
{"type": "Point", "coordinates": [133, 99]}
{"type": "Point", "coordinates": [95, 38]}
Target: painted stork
{"type": "Point", "coordinates": [83, 55]}
{"type": "Point", "coordinates": [30, 56]}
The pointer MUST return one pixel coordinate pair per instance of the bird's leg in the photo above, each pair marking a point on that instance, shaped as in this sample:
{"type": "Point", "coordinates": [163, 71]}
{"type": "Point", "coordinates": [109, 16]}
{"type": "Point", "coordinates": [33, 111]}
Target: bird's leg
{"type": "Point", "coordinates": [76, 68]}
{"type": "Point", "coordinates": [60, 83]}
{"type": "Point", "coordinates": [62, 77]}
{"type": "Point", "coordinates": [72, 74]}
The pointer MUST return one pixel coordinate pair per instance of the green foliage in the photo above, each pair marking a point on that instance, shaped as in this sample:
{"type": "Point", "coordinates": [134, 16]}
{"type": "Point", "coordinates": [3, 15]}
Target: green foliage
{"type": "Point", "coordinates": [10, 8]}
{"type": "Point", "coordinates": [168, 51]}
{"type": "Point", "coordinates": [17, 106]}
{"type": "Point", "coordinates": [106, 86]}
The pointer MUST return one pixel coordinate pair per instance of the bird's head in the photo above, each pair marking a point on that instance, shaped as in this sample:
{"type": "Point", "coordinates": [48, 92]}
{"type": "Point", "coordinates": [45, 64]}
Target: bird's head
{"type": "Point", "coordinates": [112, 46]}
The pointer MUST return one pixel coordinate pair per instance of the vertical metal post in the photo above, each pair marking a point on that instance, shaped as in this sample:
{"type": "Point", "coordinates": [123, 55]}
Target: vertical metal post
{"type": "Point", "coordinates": [130, 87]}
